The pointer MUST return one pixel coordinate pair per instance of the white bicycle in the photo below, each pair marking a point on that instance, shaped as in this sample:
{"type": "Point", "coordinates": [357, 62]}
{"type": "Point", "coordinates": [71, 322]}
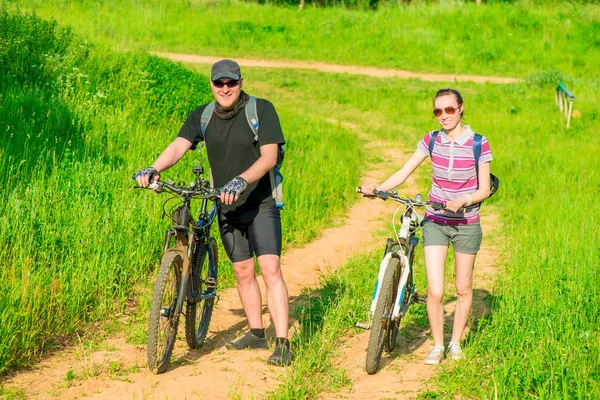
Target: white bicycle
{"type": "Point", "coordinates": [395, 290]}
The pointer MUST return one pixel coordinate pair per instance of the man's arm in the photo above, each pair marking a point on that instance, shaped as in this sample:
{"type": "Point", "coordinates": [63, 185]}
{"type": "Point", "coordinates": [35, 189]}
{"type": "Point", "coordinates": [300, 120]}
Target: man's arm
{"type": "Point", "coordinates": [173, 153]}
{"type": "Point", "coordinates": [266, 161]}
{"type": "Point", "coordinates": [169, 157]}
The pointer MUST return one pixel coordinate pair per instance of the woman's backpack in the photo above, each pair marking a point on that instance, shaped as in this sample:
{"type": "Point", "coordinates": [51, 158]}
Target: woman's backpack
{"type": "Point", "coordinates": [494, 181]}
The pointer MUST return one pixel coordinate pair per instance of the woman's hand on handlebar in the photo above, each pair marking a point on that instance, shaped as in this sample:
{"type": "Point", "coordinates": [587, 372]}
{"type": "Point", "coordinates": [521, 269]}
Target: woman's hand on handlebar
{"type": "Point", "coordinates": [368, 188]}
{"type": "Point", "coordinates": [454, 205]}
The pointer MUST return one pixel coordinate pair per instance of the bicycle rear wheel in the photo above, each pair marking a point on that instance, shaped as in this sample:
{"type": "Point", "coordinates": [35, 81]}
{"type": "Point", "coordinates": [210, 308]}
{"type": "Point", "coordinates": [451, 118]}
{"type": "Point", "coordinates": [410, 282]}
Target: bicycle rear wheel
{"type": "Point", "coordinates": [162, 329]}
{"type": "Point", "coordinates": [381, 316]}
{"type": "Point", "coordinates": [198, 314]}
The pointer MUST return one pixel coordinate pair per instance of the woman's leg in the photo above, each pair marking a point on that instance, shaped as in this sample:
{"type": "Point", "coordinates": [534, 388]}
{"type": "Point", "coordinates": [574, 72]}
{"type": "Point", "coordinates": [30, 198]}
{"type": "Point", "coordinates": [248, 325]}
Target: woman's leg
{"type": "Point", "coordinates": [435, 259]}
{"type": "Point", "coordinates": [464, 292]}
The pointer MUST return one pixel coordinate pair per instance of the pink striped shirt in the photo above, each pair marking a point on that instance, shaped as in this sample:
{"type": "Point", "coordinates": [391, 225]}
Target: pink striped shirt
{"type": "Point", "coordinates": [454, 174]}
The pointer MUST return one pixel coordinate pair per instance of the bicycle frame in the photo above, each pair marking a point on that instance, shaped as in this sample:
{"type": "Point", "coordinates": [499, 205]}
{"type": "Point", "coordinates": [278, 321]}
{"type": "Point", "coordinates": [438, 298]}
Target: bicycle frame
{"type": "Point", "coordinates": [188, 270]}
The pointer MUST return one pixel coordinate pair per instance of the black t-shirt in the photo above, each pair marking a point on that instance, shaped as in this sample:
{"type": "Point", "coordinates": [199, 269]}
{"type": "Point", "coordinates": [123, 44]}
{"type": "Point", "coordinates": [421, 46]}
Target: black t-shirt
{"type": "Point", "coordinates": [232, 150]}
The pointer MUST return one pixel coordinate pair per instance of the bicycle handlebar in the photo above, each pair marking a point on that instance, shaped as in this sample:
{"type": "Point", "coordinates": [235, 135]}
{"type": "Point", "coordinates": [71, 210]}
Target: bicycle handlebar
{"type": "Point", "coordinates": [402, 199]}
{"type": "Point", "coordinates": [160, 186]}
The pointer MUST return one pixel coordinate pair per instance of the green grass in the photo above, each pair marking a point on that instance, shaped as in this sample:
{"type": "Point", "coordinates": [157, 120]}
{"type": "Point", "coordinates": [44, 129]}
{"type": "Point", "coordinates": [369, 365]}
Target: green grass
{"type": "Point", "coordinates": [75, 238]}
{"type": "Point", "coordinates": [79, 119]}
{"type": "Point", "coordinates": [325, 318]}
{"type": "Point", "coordinates": [500, 38]}
{"type": "Point", "coordinates": [541, 338]}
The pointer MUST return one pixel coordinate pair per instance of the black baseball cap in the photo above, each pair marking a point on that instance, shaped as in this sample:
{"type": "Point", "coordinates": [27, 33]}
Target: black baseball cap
{"type": "Point", "coordinates": [225, 69]}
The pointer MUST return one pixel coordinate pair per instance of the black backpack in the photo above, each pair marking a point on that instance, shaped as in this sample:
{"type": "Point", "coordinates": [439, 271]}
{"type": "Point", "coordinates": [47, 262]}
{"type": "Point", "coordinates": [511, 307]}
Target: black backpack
{"type": "Point", "coordinates": [252, 118]}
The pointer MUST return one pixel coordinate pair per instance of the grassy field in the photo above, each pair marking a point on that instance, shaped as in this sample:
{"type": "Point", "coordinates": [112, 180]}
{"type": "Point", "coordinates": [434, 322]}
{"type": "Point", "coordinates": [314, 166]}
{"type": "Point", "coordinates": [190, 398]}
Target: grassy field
{"type": "Point", "coordinates": [541, 338]}
{"type": "Point", "coordinates": [454, 36]}
{"type": "Point", "coordinates": [78, 120]}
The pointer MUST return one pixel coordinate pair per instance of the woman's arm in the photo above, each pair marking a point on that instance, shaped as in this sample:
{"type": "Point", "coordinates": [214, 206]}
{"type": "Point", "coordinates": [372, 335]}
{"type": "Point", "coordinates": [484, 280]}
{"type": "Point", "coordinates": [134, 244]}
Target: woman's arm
{"type": "Point", "coordinates": [400, 176]}
{"type": "Point", "coordinates": [477, 196]}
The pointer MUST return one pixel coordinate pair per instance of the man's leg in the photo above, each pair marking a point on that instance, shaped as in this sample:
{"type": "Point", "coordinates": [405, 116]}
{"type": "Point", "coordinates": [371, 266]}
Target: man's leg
{"type": "Point", "coordinates": [277, 301]}
{"type": "Point", "coordinates": [277, 294]}
{"type": "Point", "coordinates": [265, 235]}
{"type": "Point", "coordinates": [249, 292]}
{"type": "Point", "coordinates": [235, 241]}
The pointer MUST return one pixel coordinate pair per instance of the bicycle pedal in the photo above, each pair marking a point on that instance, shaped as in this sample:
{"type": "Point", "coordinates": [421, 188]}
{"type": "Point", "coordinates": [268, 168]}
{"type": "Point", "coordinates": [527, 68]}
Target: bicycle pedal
{"type": "Point", "coordinates": [362, 325]}
{"type": "Point", "coordinates": [420, 298]}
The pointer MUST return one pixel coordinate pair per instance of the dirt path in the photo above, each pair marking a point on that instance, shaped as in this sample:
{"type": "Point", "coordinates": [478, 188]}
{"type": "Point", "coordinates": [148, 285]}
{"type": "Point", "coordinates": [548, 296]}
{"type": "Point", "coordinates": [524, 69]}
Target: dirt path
{"type": "Point", "coordinates": [118, 370]}
{"type": "Point", "coordinates": [348, 69]}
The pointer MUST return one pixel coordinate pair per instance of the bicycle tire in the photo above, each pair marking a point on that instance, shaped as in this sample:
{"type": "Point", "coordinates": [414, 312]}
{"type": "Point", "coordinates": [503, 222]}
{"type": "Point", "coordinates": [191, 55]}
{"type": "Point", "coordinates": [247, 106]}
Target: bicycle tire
{"type": "Point", "coordinates": [392, 333]}
{"type": "Point", "coordinates": [194, 313]}
{"type": "Point", "coordinates": [164, 301]}
{"type": "Point", "coordinates": [380, 324]}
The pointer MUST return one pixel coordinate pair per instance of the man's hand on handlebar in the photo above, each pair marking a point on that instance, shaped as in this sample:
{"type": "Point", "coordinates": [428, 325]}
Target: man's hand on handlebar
{"type": "Point", "coordinates": [232, 190]}
{"type": "Point", "coordinates": [144, 176]}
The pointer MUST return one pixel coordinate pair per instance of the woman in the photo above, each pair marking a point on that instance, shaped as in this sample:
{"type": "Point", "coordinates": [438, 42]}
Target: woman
{"type": "Point", "coordinates": [456, 183]}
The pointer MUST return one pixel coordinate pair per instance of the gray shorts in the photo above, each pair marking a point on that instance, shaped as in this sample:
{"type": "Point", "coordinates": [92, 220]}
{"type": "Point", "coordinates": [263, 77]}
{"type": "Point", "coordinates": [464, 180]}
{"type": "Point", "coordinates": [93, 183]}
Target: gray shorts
{"type": "Point", "coordinates": [465, 239]}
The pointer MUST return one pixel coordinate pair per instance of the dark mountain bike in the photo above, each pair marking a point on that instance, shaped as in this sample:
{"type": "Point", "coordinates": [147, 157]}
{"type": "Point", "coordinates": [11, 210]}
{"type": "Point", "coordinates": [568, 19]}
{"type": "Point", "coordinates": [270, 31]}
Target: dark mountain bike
{"type": "Point", "coordinates": [187, 273]}
{"type": "Point", "coordinates": [395, 290]}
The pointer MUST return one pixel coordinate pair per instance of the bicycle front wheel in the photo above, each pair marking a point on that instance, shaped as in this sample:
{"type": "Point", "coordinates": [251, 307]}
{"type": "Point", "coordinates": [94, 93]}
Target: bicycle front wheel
{"type": "Point", "coordinates": [382, 315]}
{"type": "Point", "coordinates": [198, 314]}
{"type": "Point", "coordinates": [162, 329]}
{"type": "Point", "coordinates": [392, 333]}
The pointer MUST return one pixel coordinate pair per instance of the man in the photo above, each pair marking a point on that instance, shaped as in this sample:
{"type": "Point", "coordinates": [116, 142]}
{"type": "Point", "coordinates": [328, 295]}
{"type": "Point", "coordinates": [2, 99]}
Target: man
{"type": "Point", "coordinates": [249, 220]}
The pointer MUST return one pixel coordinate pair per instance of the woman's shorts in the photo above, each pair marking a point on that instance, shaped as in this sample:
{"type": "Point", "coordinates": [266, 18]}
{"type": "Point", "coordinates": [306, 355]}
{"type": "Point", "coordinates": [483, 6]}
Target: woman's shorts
{"type": "Point", "coordinates": [255, 231]}
{"type": "Point", "coordinates": [465, 239]}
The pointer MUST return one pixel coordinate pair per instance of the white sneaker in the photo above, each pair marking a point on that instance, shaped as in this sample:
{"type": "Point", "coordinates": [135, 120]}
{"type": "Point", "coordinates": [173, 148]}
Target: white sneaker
{"type": "Point", "coordinates": [454, 351]}
{"type": "Point", "coordinates": [435, 356]}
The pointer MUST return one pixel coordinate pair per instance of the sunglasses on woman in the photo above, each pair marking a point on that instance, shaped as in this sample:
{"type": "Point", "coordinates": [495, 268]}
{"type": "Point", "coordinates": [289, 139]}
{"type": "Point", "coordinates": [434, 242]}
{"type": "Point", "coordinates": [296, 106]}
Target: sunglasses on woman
{"type": "Point", "coordinates": [448, 110]}
{"type": "Point", "coordinates": [230, 84]}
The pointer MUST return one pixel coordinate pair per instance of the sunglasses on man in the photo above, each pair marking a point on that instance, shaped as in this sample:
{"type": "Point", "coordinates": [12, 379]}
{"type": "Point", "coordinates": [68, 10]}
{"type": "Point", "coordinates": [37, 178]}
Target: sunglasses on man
{"type": "Point", "coordinates": [230, 84]}
{"type": "Point", "coordinates": [448, 110]}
